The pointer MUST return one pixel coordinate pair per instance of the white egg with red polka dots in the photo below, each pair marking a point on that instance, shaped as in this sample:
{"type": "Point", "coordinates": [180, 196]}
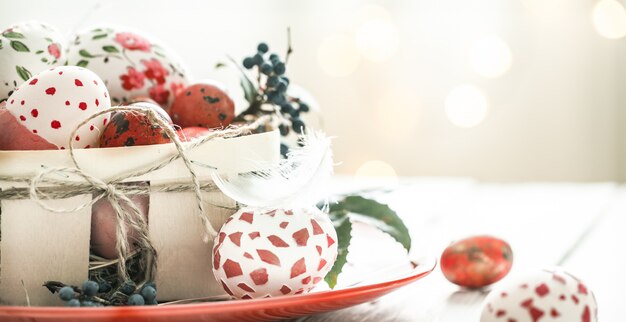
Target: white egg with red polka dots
{"type": "Point", "coordinates": [52, 103]}
{"type": "Point", "coordinates": [543, 296]}
{"type": "Point", "coordinates": [267, 253]}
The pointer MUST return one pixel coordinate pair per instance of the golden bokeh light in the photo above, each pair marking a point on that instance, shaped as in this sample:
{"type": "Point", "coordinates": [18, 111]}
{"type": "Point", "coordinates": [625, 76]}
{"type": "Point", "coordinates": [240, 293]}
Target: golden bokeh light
{"type": "Point", "coordinates": [609, 19]}
{"type": "Point", "coordinates": [490, 56]}
{"type": "Point", "coordinates": [466, 106]}
{"type": "Point", "coordinates": [338, 55]}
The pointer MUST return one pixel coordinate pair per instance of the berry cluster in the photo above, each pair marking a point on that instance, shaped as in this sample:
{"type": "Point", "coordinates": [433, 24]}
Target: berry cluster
{"type": "Point", "coordinates": [94, 294]}
{"type": "Point", "coordinates": [273, 85]}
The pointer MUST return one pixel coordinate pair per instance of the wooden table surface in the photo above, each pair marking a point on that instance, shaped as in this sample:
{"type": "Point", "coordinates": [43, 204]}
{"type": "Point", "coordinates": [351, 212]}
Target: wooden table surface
{"type": "Point", "coordinates": [576, 226]}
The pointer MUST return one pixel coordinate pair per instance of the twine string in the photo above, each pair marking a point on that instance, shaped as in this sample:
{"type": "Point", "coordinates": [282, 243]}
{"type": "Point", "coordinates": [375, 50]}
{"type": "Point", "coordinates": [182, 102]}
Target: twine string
{"type": "Point", "coordinates": [128, 216]}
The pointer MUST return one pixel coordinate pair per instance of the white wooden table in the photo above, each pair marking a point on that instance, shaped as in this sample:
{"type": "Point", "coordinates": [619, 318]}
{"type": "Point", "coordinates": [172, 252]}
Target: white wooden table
{"type": "Point", "coordinates": [576, 226]}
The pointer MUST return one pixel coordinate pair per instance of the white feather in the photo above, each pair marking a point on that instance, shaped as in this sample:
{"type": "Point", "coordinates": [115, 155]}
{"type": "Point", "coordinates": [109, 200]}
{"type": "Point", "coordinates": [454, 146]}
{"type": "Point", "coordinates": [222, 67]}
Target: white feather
{"type": "Point", "coordinates": [298, 180]}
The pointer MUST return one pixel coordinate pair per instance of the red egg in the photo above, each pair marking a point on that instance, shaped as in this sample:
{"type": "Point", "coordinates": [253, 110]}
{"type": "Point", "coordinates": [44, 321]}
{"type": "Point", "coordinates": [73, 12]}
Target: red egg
{"type": "Point", "coordinates": [189, 133]}
{"type": "Point", "coordinates": [104, 225]}
{"type": "Point", "coordinates": [477, 261]}
{"type": "Point", "coordinates": [14, 136]}
{"type": "Point", "coordinates": [129, 128]}
{"type": "Point", "coordinates": [202, 105]}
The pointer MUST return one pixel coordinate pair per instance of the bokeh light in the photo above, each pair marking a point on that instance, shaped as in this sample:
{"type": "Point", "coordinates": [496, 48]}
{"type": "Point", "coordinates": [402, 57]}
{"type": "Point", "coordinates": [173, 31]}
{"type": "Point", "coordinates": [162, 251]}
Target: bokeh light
{"type": "Point", "coordinates": [397, 113]}
{"type": "Point", "coordinates": [609, 19]}
{"type": "Point", "coordinates": [338, 55]}
{"type": "Point", "coordinates": [466, 106]}
{"type": "Point", "coordinates": [377, 40]}
{"type": "Point", "coordinates": [376, 169]}
{"type": "Point", "coordinates": [490, 56]}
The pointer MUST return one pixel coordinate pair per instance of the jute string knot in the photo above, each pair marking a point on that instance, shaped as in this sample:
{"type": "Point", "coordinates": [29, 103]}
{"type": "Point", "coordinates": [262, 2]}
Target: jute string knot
{"type": "Point", "coordinates": [128, 216]}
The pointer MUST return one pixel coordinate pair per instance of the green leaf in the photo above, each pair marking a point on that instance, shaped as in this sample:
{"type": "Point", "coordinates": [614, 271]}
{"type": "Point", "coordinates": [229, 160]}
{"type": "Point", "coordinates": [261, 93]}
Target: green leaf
{"type": "Point", "coordinates": [13, 35]}
{"type": "Point", "coordinates": [82, 63]}
{"type": "Point", "coordinates": [110, 49]}
{"type": "Point", "coordinates": [220, 65]}
{"type": "Point", "coordinates": [39, 52]}
{"type": "Point", "coordinates": [85, 54]}
{"type": "Point", "coordinates": [249, 91]}
{"type": "Point", "coordinates": [0, 43]}
{"type": "Point", "coordinates": [23, 72]}
{"type": "Point", "coordinates": [100, 36]}
{"type": "Point", "coordinates": [44, 59]}
{"type": "Point", "coordinates": [160, 54]}
{"type": "Point", "coordinates": [383, 217]}
{"type": "Point", "coordinates": [19, 46]}
{"type": "Point", "coordinates": [48, 39]}
{"type": "Point", "coordinates": [343, 226]}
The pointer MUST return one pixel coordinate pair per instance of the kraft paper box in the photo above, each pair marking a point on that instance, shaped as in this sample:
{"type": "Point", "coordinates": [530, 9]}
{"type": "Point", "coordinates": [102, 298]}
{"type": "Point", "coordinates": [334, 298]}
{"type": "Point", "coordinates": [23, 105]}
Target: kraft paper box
{"type": "Point", "coordinates": [37, 245]}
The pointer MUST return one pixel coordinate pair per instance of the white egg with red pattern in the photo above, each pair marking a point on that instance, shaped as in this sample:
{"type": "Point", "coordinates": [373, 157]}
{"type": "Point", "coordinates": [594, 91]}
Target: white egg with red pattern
{"type": "Point", "coordinates": [52, 103]}
{"type": "Point", "coordinates": [268, 253]}
{"type": "Point", "coordinates": [543, 296]}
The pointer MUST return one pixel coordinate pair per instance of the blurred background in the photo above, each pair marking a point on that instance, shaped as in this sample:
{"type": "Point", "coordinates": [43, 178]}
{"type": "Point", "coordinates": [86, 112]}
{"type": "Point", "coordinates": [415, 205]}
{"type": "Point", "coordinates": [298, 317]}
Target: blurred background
{"type": "Point", "coordinates": [498, 90]}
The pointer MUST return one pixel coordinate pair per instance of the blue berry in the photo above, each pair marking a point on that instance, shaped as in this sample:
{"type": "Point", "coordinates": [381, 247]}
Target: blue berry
{"type": "Point", "coordinates": [128, 287]}
{"type": "Point", "coordinates": [88, 303]}
{"type": "Point", "coordinates": [278, 99]}
{"type": "Point", "coordinates": [153, 302]}
{"type": "Point", "coordinates": [279, 68]}
{"type": "Point", "coordinates": [151, 284]}
{"type": "Point", "coordinates": [66, 293]}
{"type": "Point", "coordinates": [136, 299]}
{"type": "Point", "coordinates": [297, 125]}
{"type": "Point", "coordinates": [284, 149]}
{"type": "Point", "coordinates": [73, 303]}
{"type": "Point", "coordinates": [248, 62]}
{"type": "Point", "coordinates": [274, 58]}
{"type": "Point", "coordinates": [258, 59]}
{"type": "Point", "coordinates": [294, 113]}
{"type": "Point", "coordinates": [272, 81]}
{"type": "Point", "coordinates": [284, 129]}
{"type": "Point", "coordinates": [90, 288]}
{"type": "Point", "coordinates": [266, 68]}
{"type": "Point", "coordinates": [148, 293]}
{"type": "Point", "coordinates": [304, 107]}
{"type": "Point", "coordinates": [286, 108]}
{"type": "Point", "coordinates": [262, 47]}
{"type": "Point", "coordinates": [282, 86]}
{"type": "Point", "coordinates": [285, 79]}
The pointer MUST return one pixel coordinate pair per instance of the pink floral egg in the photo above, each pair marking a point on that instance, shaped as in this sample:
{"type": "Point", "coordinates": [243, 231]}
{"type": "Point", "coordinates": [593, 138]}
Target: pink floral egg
{"type": "Point", "coordinates": [130, 63]}
{"type": "Point", "coordinates": [26, 49]}
{"type": "Point", "coordinates": [545, 296]}
{"type": "Point", "coordinates": [269, 253]}
{"type": "Point", "coordinates": [52, 103]}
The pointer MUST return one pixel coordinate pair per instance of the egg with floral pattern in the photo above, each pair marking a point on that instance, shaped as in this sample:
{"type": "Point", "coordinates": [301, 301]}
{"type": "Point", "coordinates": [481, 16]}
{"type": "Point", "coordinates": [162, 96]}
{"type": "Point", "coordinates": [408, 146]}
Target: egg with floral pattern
{"type": "Point", "coordinates": [54, 102]}
{"type": "Point", "coordinates": [131, 64]}
{"type": "Point", "coordinates": [267, 253]}
{"type": "Point", "coordinates": [26, 49]}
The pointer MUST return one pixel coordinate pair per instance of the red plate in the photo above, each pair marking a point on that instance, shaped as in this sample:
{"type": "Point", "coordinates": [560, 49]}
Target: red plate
{"type": "Point", "coordinates": [244, 310]}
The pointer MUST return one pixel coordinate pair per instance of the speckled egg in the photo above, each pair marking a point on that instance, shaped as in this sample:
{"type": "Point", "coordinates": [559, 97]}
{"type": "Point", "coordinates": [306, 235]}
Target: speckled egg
{"type": "Point", "coordinates": [26, 49]}
{"type": "Point", "coordinates": [204, 104]}
{"type": "Point", "coordinates": [131, 63]}
{"type": "Point", "coordinates": [130, 128]}
{"type": "Point", "coordinates": [543, 296]}
{"type": "Point", "coordinates": [263, 253]}
{"type": "Point", "coordinates": [477, 261]}
{"type": "Point", "coordinates": [54, 102]}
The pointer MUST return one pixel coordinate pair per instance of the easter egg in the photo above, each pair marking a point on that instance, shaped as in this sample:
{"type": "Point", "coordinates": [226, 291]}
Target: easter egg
{"type": "Point", "coordinates": [104, 226]}
{"type": "Point", "coordinates": [131, 63]}
{"type": "Point", "coordinates": [27, 49]}
{"type": "Point", "coordinates": [190, 133]}
{"type": "Point", "coordinates": [476, 261]}
{"type": "Point", "coordinates": [203, 105]}
{"type": "Point", "coordinates": [547, 295]}
{"type": "Point", "coordinates": [263, 253]}
{"type": "Point", "coordinates": [52, 103]}
{"type": "Point", "coordinates": [14, 136]}
{"type": "Point", "coordinates": [130, 128]}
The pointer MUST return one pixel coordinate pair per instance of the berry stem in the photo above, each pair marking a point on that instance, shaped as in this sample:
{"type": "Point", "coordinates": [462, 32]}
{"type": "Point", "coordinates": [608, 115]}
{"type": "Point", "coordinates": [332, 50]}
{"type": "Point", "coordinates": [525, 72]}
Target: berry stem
{"type": "Point", "coordinates": [289, 48]}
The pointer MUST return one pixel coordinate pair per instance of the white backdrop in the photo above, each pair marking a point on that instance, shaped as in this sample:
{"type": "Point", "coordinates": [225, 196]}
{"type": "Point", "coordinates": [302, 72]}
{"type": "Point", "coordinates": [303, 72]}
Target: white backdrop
{"type": "Point", "coordinates": [383, 70]}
